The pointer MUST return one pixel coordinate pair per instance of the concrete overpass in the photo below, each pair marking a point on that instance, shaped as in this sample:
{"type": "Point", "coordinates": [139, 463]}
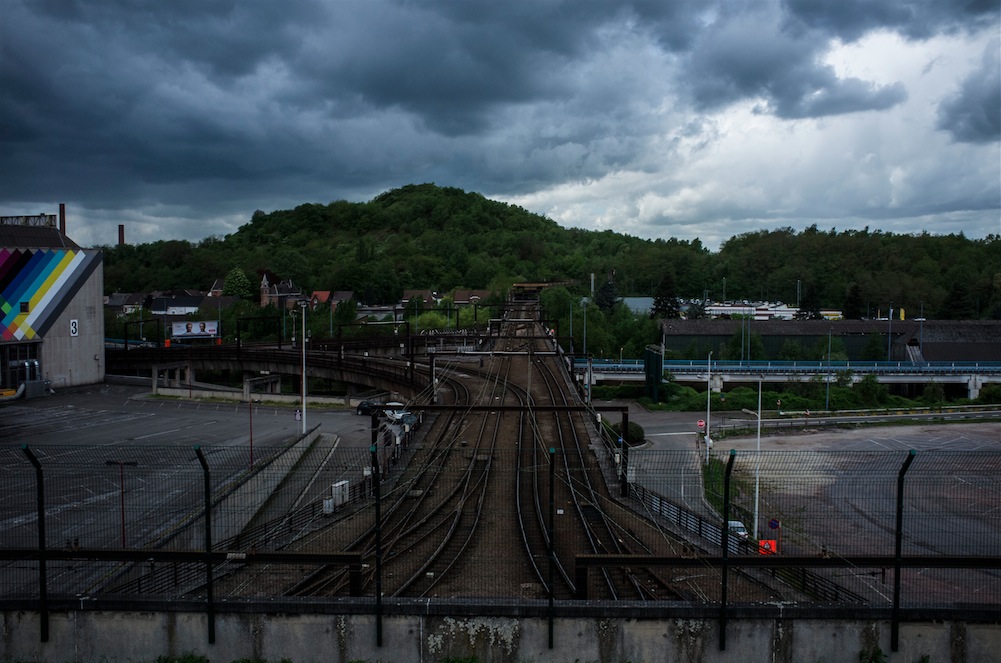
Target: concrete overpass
{"type": "Point", "coordinates": [179, 366]}
{"type": "Point", "coordinates": [972, 375]}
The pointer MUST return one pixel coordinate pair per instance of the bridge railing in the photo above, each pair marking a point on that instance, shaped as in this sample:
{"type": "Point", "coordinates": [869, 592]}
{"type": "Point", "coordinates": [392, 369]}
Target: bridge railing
{"type": "Point", "coordinates": [877, 367]}
{"type": "Point", "coordinates": [776, 367]}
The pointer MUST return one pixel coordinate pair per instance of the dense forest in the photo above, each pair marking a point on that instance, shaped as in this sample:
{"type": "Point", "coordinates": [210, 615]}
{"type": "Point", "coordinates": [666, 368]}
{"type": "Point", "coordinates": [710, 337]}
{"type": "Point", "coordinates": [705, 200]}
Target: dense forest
{"type": "Point", "coordinates": [426, 236]}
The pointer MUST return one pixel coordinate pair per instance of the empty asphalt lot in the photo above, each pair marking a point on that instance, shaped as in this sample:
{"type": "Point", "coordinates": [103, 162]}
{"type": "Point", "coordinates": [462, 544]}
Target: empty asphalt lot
{"type": "Point", "coordinates": [115, 415]}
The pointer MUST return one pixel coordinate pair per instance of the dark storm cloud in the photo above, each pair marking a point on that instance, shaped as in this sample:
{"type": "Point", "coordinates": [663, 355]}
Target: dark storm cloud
{"type": "Point", "coordinates": [973, 114]}
{"type": "Point", "coordinates": [454, 64]}
{"type": "Point", "coordinates": [916, 19]}
{"type": "Point", "coordinates": [748, 56]}
{"type": "Point", "coordinates": [189, 110]}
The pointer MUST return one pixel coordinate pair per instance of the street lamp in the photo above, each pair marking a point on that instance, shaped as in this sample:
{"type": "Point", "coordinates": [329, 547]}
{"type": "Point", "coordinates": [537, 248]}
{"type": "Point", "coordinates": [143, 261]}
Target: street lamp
{"type": "Point", "coordinates": [827, 404]}
{"type": "Point", "coordinates": [571, 326]}
{"type": "Point", "coordinates": [302, 305]}
{"type": "Point", "coordinates": [251, 404]}
{"type": "Point", "coordinates": [709, 391]}
{"type": "Point", "coordinates": [889, 334]}
{"type": "Point", "coordinates": [587, 370]}
{"type": "Point", "coordinates": [121, 482]}
{"type": "Point", "coordinates": [921, 331]}
{"type": "Point", "coordinates": [757, 469]}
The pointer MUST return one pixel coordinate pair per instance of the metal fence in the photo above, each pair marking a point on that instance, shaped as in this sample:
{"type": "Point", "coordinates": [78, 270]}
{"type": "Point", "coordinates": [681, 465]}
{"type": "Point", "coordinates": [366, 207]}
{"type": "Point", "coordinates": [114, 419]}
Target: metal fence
{"type": "Point", "coordinates": [883, 529]}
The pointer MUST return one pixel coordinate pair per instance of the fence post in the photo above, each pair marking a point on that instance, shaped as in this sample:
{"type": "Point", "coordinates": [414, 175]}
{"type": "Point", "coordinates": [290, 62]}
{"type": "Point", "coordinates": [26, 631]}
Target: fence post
{"type": "Point", "coordinates": [897, 545]}
{"type": "Point", "coordinates": [43, 593]}
{"type": "Point", "coordinates": [377, 491]}
{"type": "Point", "coordinates": [209, 607]}
{"type": "Point", "coordinates": [725, 540]}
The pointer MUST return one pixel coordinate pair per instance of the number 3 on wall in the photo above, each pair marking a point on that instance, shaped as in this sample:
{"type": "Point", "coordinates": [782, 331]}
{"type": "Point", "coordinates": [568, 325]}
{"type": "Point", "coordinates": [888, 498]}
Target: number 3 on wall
{"type": "Point", "coordinates": [74, 327]}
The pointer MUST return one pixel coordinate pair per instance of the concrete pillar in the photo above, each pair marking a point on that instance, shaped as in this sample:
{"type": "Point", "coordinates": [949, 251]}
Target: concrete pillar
{"type": "Point", "coordinates": [973, 387]}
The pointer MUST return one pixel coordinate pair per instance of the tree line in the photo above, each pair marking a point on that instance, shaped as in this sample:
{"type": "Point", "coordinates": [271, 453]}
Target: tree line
{"type": "Point", "coordinates": [430, 237]}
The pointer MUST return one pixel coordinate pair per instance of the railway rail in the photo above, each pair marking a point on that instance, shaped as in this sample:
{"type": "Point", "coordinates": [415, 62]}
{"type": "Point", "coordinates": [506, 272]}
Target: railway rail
{"type": "Point", "coordinates": [480, 475]}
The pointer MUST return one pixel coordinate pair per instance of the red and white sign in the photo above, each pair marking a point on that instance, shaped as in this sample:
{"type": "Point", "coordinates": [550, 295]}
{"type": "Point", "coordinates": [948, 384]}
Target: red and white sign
{"type": "Point", "coordinates": [702, 423]}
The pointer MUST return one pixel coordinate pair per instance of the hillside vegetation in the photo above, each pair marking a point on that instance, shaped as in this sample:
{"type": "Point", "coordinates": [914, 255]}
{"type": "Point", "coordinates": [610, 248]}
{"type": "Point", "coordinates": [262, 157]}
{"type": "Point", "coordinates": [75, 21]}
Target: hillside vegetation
{"type": "Point", "coordinates": [426, 236]}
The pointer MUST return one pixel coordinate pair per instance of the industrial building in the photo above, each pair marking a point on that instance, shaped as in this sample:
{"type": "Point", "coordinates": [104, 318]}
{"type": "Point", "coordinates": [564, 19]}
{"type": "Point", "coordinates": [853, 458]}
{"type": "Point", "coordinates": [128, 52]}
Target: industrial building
{"type": "Point", "coordinates": [51, 314]}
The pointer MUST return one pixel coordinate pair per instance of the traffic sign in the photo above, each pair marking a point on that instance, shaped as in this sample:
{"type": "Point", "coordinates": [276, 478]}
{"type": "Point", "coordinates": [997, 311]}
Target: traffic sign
{"type": "Point", "coordinates": [702, 423]}
{"type": "Point", "coordinates": [773, 523]}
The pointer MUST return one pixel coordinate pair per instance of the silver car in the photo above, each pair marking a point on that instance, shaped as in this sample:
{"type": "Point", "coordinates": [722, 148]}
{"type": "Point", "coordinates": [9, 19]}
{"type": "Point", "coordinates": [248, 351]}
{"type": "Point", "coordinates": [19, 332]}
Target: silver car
{"type": "Point", "coordinates": [737, 528]}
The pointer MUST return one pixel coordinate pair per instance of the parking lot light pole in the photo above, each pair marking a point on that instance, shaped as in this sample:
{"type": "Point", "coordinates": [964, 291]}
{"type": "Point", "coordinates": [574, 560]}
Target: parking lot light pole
{"type": "Point", "coordinates": [709, 392]}
{"type": "Point", "coordinates": [827, 403]}
{"type": "Point", "coordinates": [757, 468]}
{"type": "Point", "coordinates": [121, 482]}
{"type": "Point", "coordinates": [302, 305]}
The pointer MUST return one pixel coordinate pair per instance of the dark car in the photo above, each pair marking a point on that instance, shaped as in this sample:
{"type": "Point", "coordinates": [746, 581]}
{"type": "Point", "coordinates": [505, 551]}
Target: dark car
{"type": "Point", "coordinates": [368, 407]}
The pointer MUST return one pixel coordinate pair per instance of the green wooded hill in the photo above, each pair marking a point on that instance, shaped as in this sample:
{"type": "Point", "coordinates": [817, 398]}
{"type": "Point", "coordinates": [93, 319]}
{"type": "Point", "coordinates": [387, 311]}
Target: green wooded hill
{"type": "Point", "coordinates": [427, 236]}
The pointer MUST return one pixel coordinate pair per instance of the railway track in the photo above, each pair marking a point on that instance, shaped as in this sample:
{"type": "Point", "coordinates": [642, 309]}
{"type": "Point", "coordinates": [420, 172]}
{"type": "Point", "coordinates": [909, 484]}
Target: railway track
{"type": "Point", "coordinates": [477, 509]}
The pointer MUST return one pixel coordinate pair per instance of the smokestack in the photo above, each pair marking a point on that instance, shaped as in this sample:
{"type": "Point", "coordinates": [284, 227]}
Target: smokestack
{"type": "Point", "coordinates": [121, 234]}
{"type": "Point", "coordinates": [62, 218]}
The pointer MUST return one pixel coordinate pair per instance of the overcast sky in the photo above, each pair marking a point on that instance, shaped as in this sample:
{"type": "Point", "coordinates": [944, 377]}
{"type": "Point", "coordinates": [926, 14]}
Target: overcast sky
{"type": "Point", "coordinates": [656, 118]}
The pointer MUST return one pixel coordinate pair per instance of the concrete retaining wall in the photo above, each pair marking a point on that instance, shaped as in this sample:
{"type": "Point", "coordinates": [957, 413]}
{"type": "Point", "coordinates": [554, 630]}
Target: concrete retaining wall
{"type": "Point", "coordinates": [307, 638]}
{"type": "Point", "coordinates": [237, 396]}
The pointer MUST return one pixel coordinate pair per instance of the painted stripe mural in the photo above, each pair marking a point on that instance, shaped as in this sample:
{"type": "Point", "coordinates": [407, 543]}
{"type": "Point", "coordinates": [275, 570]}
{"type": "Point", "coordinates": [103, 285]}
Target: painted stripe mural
{"type": "Point", "coordinates": [36, 285]}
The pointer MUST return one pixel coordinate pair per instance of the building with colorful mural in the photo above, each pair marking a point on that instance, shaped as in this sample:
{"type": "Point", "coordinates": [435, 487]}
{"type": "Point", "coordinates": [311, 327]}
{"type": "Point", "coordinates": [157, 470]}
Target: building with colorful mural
{"type": "Point", "coordinates": [51, 313]}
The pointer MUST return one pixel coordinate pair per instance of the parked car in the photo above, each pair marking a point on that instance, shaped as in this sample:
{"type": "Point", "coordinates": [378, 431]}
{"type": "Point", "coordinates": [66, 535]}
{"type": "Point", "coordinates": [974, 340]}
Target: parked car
{"type": "Point", "coordinates": [368, 407]}
{"type": "Point", "coordinates": [407, 418]}
{"type": "Point", "coordinates": [400, 417]}
{"type": "Point", "coordinates": [737, 529]}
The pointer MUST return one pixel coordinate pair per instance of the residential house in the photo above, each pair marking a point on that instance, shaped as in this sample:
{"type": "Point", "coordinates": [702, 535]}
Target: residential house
{"type": "Point", "coordinates": [429, 297]}
{"type": "Point", "coordinates": [469, 297]}
{"type": "Point", "coordinates": [124, 303]}
{"type": "Point", "coordinates": [283, 294]}
{"type": "Point", "coordinates": [171, 304]}
{"type": "Point", "coordinates": [330, 298]}
{"type": "Point", "coordinates": [218, 285]}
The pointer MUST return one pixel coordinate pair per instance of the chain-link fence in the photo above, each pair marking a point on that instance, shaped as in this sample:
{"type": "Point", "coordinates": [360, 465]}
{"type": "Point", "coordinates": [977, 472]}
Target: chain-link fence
{"type": "Point", "coordinates": [312, 521]}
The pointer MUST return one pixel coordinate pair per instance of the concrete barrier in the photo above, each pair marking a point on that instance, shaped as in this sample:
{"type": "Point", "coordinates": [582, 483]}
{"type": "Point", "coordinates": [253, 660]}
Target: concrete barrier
{"type": "Point", "coordinates": [306, 638]}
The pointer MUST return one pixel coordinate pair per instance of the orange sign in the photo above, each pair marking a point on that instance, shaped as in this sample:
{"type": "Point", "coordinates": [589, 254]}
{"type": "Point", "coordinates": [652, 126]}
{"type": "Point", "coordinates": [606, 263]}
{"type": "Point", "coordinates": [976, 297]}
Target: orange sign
{"type": "Point", "coordinates": [768, 547]}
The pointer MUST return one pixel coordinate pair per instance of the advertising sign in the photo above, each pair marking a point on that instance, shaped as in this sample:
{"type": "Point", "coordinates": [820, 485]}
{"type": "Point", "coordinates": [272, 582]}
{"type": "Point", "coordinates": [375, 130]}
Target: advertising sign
{"type": "Point", "coordinates": [194, 329]}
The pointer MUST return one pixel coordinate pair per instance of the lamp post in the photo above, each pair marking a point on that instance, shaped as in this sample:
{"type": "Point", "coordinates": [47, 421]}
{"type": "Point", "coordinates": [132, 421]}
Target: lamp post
{"type": "Point", "coordinates": [921, 331]}
{"type": "Point", "coordinates": [587, 370]}
{"type": "Point", "coordinates": [889, 333]}
{"type": "Point", "coordinates": [302, 305]}
{"type": "Point", "coordinates": [827, 404]}
{"type": "Point", "coordinates": [251, 411]}
{"type": "Point", "coordinates": [571, 325]}
{"type": "Point", "coordinates": [121, 482]}
{"type": "Point", "coordinates": [757, 468]}
{"type": "Point", "coordinates": [709, 391]}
